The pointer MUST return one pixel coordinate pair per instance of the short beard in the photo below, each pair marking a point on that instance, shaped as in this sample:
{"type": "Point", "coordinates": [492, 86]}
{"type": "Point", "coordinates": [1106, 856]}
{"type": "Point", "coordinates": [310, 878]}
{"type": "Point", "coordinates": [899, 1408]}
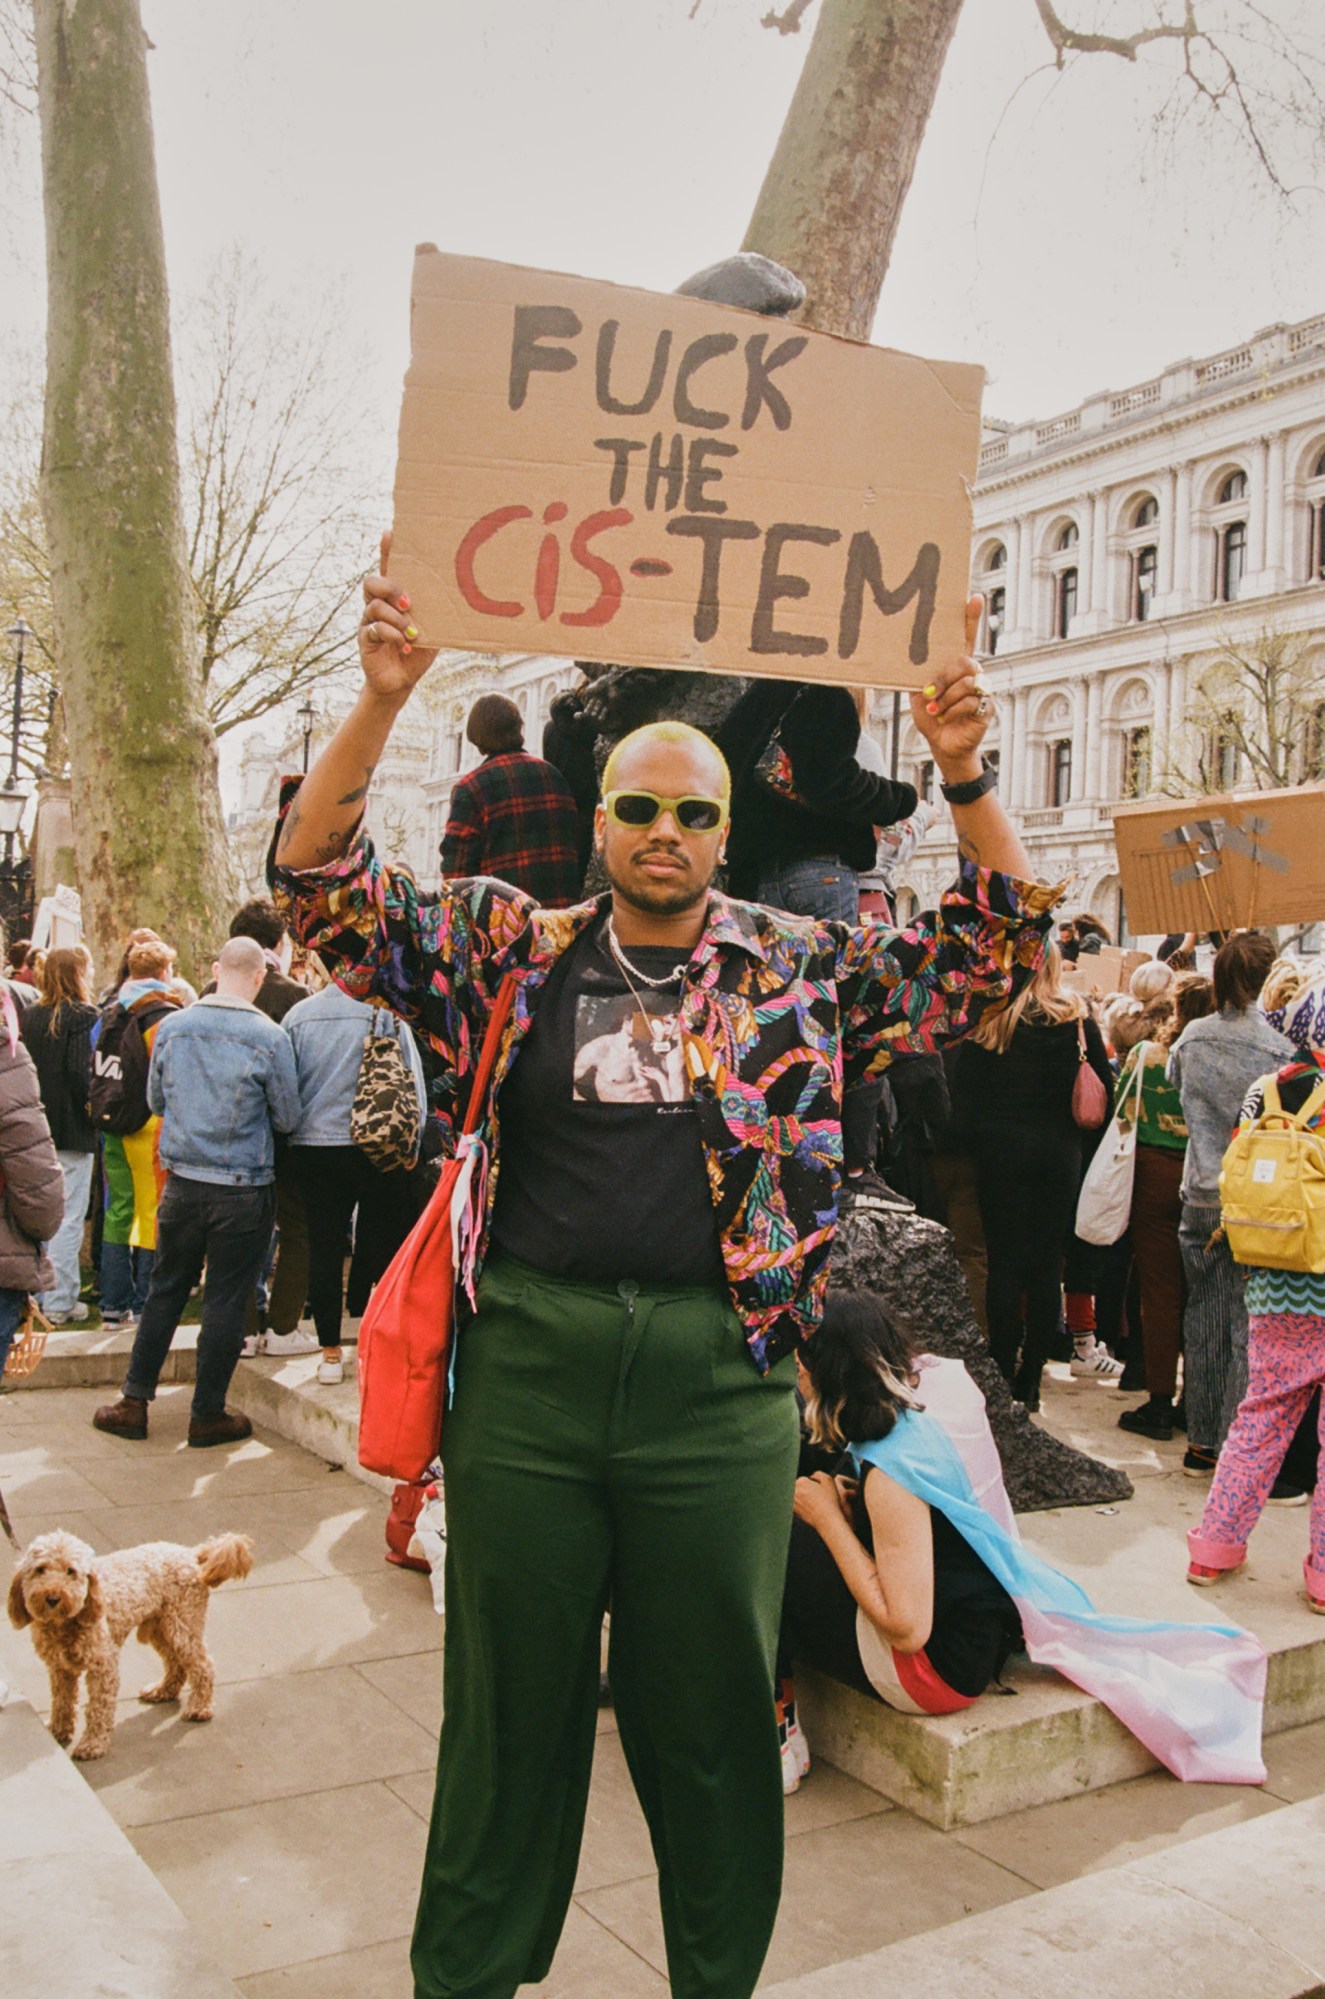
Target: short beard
{"type": "Point", "coordinates": [666, 902]}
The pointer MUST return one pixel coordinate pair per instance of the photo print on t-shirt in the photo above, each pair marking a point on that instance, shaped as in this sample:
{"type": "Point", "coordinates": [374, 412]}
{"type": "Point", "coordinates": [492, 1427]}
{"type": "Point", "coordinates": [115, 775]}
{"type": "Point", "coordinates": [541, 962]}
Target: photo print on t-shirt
{"type": "Point", "coordinates": [625, 1055]}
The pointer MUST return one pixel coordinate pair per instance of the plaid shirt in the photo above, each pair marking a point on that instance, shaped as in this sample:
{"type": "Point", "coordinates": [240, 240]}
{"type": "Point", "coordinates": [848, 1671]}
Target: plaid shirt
{"type": "Point", "coordinates": [514, 818]}
{"type": "Point", "coordinates": [777, 1014]}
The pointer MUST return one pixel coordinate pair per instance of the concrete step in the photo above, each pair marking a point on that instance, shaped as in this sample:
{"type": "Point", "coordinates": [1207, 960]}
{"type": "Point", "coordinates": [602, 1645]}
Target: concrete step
{"type": "Point", "coordinates": [1234, 1914]}
{"type": "Point", "coordinates": [1046, 1741]}
{"type": "Point", "coordinates": [83, 1913]}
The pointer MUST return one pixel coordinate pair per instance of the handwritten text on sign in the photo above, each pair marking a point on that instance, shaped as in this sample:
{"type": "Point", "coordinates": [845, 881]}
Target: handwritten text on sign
{"type": "Point", "coordinates": [624, 476]}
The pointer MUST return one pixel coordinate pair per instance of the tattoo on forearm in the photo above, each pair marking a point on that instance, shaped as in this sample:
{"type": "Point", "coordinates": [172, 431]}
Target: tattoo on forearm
{"type": "Point", "coordinates": [331, 848]}
{"type": "Point", "coordinates": [292, 819]}
{"type": "Point", "coordinates": [360, 791]}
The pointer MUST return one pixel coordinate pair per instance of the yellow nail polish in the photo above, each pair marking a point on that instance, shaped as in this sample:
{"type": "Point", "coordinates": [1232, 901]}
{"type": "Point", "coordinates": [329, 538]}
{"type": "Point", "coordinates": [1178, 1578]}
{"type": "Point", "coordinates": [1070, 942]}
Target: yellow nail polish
{"type": "Point", "coordinates": [411, 631]}
{"type": "Point", "coordinates": [930, 692]}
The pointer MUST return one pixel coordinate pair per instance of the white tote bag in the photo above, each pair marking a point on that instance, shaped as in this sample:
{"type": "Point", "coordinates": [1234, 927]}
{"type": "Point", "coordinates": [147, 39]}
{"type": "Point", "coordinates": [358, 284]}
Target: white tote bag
{"type": "Point", "coordinates": [1105, 1203]}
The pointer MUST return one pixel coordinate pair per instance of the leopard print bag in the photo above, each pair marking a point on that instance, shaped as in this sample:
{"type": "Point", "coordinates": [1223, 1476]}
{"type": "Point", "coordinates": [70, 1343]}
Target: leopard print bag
{"type": "Point", "coordinates": [384, 1117]}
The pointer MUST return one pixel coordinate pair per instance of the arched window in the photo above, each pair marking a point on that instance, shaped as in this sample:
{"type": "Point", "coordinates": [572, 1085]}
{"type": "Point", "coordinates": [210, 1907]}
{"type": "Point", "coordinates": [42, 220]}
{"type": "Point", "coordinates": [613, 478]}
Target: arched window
{"type": "Point", "coordinates": [1314, 763]}
{"type": "Point", "coordinates": [1233, 488]}
{"type": "Point", "coordinates": [998, 603]}
{"type": "Point", "coordinates": [1060, 771]}
{"type": "Point", "coordinates": [1145, 568]}
{"type": "Point", "coordinates": [1146, 512]}
{"type": "Point", "coordinates": [1069, 537]}
{"type": "Point", "coordinates": [1319, 472]}
{"type": "Point", "coordinates": [1065, 606]}
{"type": "Point", "coordinates": [1136, 762]}
{"type": "Point", "coordinates": [1224, 755]}
{"type": "Point", "coordinates": [1316, 522]}
{"type": "Point", "coordinates": [997, 557]}
{"type": "Point", "coordinates": [1232, 560]}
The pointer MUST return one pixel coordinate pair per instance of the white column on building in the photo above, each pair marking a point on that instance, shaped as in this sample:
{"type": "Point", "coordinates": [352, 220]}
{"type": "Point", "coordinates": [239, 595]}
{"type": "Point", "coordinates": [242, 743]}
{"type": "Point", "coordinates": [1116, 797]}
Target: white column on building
{"type": "Point", "coordinates": [1276, 504]}
{"type": "Point", "coordinates": [1159, 723]}
{"type": "Point", "coordinates": [1182, 539]}
{"type": "Point", "coordinates": [1099, 553]}
{"type": "Point", "coordinates": [1023, 608]}
{"type": "Point", "coordinates": [1260, 460]}
{"type": "Point", "coordinates": [1094, 736]}
{"type": "Point", "coordinates": [1017, 779]}
{"type": "Point", "coordinates": [1080, 702]}
{"type": "Point", "coordinates": [1168, 508]}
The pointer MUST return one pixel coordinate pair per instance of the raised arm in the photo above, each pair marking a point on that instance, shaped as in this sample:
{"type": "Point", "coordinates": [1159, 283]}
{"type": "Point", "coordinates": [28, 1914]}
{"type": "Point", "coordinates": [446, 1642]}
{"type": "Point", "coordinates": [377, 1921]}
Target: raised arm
{"type": "Point", "coordinates": [953, 715]}
{"type": "Point", "coordinates": [321, 822]}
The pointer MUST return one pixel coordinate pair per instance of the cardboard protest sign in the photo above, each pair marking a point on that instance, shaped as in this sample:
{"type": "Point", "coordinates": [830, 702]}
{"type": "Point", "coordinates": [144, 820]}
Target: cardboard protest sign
{"type": "Point", "coordinates": [646, 479]}
{"type": "Point", "coordinates": [1223, 863]}
{"type": "Point", "coordinates": [1100, 973]}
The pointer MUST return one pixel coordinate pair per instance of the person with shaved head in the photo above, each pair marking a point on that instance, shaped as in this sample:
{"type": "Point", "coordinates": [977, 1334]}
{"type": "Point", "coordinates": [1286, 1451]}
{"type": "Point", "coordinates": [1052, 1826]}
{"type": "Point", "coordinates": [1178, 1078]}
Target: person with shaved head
{"type": "Point", "coordinates": [222, 1081]}
{"type": "Point", "coordinates": [666, 1141]}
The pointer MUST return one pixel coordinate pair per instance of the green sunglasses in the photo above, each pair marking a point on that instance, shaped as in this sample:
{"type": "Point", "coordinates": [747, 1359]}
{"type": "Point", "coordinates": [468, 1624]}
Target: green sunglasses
{"type": "Point", "coordinates": [641, 808]}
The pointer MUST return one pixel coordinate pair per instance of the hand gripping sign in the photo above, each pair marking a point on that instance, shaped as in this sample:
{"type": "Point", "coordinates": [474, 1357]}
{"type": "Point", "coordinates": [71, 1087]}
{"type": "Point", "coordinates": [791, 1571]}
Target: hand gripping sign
{"type": "Point", "coordinates": [651, 479]}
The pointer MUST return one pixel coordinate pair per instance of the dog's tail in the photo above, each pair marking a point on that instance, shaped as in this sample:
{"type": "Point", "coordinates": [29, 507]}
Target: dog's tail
{"type": "Point", "coordinates": [224, 1559]}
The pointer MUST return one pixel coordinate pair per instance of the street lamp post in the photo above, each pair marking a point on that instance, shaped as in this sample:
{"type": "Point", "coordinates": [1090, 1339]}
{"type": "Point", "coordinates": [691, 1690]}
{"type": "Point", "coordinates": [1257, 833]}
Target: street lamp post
{"type": "Point", "coordinates": [307, 717]}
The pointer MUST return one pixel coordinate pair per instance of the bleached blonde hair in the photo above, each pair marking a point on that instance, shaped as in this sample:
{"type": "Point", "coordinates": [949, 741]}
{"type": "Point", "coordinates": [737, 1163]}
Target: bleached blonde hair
{"type": "Point", "coordinates": [678, 733]}
{"type": "Point", "coordinates": [1044, 999]}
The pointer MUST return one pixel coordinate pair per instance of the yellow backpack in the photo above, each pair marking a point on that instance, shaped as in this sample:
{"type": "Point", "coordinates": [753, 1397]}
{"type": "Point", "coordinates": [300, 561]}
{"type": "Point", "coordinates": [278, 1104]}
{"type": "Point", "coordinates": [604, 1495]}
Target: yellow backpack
{"type": "Point", "coordinates": [1272, 1186]}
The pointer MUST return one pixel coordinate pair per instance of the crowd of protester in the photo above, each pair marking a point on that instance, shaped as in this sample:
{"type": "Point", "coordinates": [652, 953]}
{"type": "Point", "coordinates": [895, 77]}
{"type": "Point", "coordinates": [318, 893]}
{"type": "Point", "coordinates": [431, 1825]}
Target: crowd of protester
{"type": "Point", "coordinates": [216, 1133]}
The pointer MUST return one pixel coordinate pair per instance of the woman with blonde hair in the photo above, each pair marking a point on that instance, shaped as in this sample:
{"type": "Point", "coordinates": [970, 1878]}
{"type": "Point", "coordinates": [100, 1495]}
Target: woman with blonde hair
{"type": "Point", "coordinates": [1013, 1096]}
{"type": "Point", "coordinates": [56, 1034]}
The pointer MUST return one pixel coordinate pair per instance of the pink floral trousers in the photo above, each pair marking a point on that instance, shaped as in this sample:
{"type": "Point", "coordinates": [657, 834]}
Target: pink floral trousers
{"type": "Point", "coordinates": [1286, 1361]}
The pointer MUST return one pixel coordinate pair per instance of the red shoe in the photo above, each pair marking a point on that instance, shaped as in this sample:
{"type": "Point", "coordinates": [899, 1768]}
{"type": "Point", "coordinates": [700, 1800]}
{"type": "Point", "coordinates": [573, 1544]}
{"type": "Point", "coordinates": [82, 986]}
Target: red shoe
{"type": "Point", "coordinates": [1202, 1576]}
{"type": "Point", "coordinates": [1316, 1603]}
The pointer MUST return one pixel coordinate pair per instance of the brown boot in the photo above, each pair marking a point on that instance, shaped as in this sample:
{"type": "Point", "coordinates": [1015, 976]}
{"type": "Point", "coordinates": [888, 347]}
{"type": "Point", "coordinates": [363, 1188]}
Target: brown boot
{"type": "Point", "coordinates": [125, 1418]}
{"type": "Point", "coordinates": [230, 1428]}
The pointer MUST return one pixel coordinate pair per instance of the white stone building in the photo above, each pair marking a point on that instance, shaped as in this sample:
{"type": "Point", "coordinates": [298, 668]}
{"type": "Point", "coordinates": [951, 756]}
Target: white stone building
{"type": "Point", "coordinates": [1120, 547]}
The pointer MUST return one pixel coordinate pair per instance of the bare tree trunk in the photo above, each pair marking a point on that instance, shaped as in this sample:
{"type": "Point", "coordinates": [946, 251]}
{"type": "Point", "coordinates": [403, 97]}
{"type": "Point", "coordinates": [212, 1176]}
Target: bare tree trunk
{"type": "Point", "coordinates": [833, 194]}
{"type": "Point", "coordinates": [149, 831]}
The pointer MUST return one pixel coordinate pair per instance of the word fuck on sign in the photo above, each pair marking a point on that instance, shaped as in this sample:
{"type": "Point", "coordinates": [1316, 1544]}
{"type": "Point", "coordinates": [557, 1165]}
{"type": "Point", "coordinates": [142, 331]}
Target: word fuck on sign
{"type": "Point", "coordinates": [652, 480]}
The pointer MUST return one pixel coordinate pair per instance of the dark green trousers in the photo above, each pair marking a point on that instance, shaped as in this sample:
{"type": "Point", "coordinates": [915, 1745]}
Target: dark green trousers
{"type": "Point", "coordinates": [607, 1443]}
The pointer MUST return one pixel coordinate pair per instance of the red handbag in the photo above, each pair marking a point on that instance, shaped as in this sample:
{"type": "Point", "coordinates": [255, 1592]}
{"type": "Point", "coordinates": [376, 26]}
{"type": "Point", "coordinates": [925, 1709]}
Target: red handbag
{"type": "Point", "coordinates": [405, 1336]}
{"type": "Point", "coordinates": [1090, 1099]}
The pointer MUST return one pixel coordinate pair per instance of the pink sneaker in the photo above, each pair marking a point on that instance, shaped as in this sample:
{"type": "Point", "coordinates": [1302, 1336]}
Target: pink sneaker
{"type": "Point", "coordinates": [1202, 1575]}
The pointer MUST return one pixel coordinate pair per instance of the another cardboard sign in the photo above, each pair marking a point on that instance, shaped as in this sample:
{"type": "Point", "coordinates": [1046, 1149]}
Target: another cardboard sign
{"type": "Point", "coordinates": [1101, 973]}
{"type": "Point", "coordinates": [1223, 863]}
{"type": "Point", "coordinates": [646, 479]}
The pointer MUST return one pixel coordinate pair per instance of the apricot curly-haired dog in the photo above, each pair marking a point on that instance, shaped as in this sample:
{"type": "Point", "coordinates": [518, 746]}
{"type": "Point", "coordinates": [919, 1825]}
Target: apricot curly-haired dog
{"type": "Point", "coordinates": [82, 1606]}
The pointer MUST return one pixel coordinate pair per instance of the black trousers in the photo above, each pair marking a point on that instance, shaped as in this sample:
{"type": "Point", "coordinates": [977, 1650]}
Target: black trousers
{"type": "Point", "coordinates": [339, 1184]}
{"type": "Point", "coordinates": [228, 1229]}
{"type": "Point", "coordinates": [1027, 1179]}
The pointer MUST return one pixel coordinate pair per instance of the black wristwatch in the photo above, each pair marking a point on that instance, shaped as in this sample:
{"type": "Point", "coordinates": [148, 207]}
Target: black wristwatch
{"type": "Point", "coordinates": [972, 788]}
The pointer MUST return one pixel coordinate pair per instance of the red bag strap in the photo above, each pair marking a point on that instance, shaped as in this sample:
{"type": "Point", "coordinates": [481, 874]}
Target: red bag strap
{"type": "Point", "coordinates": [487, 1059]}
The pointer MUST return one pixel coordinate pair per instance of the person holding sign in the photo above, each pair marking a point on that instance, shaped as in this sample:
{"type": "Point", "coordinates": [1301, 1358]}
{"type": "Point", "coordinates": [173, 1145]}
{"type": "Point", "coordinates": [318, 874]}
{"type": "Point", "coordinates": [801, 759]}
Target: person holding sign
{"type": "Point", "coordinates": [666, 1145]}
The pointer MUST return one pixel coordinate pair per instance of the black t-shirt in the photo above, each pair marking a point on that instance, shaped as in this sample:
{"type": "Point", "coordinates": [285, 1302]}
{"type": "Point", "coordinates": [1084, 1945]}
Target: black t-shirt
{"type": "Point", "coordinates": [602, 1171]}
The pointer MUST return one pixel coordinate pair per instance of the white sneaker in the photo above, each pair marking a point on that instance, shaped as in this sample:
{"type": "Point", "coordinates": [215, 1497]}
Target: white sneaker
{"type": "Point", "coordinates": [329, 1372]}
{"type": "Point", "coordinates": [1095, 1363]}
{"type": "Point", "coordinates": [249, 1346]}
{"type": "Point", "coordinates": [298, 1341]}
{"type": "Point", "coordinates": [795, 1759]}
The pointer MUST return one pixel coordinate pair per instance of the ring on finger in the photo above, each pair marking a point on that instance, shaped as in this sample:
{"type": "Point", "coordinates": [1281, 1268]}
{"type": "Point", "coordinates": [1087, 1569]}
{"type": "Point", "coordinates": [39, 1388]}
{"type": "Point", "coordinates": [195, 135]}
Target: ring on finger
{"type": "Point", "coordinates": [982, 705]}
{"type": "Point", "coordinates": [370, 633]}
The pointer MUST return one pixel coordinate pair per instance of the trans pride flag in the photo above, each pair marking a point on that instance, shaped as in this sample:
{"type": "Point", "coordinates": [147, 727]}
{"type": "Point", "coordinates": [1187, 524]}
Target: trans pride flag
{"type": "Point", "coordinates": [1192, 1693]}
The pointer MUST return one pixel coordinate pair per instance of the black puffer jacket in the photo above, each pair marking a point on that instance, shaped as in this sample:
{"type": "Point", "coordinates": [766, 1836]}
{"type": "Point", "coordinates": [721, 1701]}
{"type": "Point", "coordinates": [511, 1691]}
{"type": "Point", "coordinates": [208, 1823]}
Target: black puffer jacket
{"type": "Point", "coordinates": [32, 1205]}
{"type": "Point", "coordinates": [57, 1038]}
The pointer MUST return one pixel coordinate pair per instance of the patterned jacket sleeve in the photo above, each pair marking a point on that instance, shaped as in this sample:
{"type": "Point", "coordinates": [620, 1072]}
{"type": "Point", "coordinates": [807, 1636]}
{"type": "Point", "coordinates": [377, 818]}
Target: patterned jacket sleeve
{"type": "Point", "coordinates": [907, 992]}
{"type": "Point", "coordinates": [436, 960]}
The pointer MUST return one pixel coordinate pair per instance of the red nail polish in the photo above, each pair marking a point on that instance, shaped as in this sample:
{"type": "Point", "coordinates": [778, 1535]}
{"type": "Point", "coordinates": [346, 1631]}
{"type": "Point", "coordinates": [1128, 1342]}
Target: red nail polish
{"type": "Point", "coordinates": [931, 707]}
{"type": "Point", "coordinates": [407, 648]}
{"type": "Point", "coordinates": [403, 603]}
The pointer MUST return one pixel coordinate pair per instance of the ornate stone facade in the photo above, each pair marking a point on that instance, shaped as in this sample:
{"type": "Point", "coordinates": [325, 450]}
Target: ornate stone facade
{"type": "Point", "coordinates": [1119, 547]}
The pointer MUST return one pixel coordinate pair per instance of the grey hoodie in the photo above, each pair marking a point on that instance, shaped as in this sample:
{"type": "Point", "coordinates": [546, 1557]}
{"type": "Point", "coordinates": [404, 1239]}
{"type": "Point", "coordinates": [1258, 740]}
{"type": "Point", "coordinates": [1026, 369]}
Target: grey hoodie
{"type": "Point", "coordinates": [1214, 1063]}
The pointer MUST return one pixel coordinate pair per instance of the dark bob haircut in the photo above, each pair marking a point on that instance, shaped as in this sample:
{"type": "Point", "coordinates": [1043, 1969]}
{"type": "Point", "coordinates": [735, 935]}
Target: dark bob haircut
{"type": "Point", "coordinates": [1241, 968]}
{"type": "Point", "coordinates": [862, 1368]}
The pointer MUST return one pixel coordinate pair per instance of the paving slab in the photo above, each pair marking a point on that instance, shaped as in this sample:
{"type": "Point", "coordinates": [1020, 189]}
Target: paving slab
{"type": "Point", "coordinates": [82, 1914]}
{"type": "Point", "coordinates": [1233, 1914]}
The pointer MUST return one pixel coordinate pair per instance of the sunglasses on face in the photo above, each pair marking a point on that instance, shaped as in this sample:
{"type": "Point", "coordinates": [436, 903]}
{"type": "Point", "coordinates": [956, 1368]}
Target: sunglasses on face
{"type": "Point", "coordinates": [641, 808]}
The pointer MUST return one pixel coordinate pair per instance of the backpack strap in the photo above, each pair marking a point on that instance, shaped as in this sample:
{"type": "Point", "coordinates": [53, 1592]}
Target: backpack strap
{"type": "Point", "coordinates": [1271, 1106]}
{"type": "Point", "coordinates": [1313, 1103]}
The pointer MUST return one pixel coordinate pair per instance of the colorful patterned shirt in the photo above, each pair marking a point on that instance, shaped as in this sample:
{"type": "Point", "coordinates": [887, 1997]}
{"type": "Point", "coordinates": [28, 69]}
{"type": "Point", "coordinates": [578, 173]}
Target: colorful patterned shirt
{"type": "Point", "coordinates": [777, 1014]}
{"type": "Point", "coordinates": [514, 818]}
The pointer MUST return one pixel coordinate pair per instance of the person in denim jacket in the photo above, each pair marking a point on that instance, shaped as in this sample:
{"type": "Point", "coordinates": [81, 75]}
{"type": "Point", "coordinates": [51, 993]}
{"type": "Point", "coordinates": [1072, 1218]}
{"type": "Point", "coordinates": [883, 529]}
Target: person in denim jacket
{"type": "Point", "coordinates": [223, 1082]}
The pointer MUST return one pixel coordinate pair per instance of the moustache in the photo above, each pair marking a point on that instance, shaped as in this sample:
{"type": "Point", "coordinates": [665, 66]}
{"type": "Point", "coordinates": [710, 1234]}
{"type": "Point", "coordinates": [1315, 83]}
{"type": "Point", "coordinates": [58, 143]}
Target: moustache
{"type": "Point", "coordinates": [657, 849]}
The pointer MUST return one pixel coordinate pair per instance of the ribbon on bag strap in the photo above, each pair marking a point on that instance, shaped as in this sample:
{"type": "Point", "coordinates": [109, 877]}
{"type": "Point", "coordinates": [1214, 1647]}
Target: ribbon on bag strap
{"type": "Point", "coordinates": [471, 1190]}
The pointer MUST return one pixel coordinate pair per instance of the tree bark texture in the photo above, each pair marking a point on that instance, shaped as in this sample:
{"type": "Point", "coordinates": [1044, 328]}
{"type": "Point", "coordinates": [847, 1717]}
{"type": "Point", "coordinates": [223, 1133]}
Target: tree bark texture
{"type": "Point", "coordinates": [149, 830]}
{"type": "Point", "coordinates": [833, 194]}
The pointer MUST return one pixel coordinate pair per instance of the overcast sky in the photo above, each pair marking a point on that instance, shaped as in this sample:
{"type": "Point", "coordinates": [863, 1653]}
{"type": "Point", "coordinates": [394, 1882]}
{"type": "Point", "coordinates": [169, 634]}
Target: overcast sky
{"type": "Point", "coordinates": [1049, 234]}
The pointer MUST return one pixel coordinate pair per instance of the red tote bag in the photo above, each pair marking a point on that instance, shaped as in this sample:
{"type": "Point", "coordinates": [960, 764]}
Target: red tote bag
{"type": "Point", "coordinates": [405, 1335]}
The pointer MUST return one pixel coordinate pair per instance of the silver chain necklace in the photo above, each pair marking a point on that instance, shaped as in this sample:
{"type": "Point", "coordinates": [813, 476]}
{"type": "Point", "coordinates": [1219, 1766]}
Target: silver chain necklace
{"type": "Point", "coordinates": [631, 970]}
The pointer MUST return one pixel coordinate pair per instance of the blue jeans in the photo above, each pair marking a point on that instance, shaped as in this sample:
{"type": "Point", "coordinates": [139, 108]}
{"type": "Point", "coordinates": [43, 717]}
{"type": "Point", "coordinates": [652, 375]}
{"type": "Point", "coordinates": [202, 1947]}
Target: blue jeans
{"type": "Point", "coordinates": [11, 1311]}
{"type": "Point", "coordinates": [228, 1229]}
{"type": "Point", "coordinates": [65, 1244]}
{"type": "Point", "coordinates": [823, 886]}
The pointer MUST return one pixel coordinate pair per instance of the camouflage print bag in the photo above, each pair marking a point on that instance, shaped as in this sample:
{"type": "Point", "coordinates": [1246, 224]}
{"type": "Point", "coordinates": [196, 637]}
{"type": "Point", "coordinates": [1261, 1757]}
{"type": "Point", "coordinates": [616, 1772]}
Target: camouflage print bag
{"type": "Point", "coordinates": [384, 1117]}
